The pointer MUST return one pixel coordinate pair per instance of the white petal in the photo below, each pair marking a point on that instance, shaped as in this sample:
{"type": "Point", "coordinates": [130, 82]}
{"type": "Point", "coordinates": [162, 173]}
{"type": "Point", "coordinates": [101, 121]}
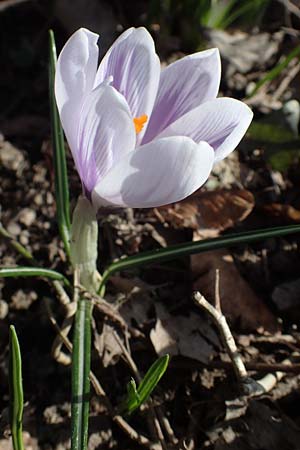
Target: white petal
{"type": "Point", "coordinates": [162, 172]}
{"type": "Point", "coordinates": [75, 75]}
{"type": "Point", "coordinates": [221, 122]}
{"type": "Point", "coordinates": [106, 133]}
{"type": "Point", "coordinates": [184, 85]}
{"type": "Point", "coordinates": [135, 68]}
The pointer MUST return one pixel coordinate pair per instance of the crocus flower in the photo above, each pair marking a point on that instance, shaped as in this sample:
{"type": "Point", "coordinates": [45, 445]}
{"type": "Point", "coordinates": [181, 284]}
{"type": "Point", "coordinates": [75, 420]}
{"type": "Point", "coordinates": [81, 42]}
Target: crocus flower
{"type": "Point", "coordinates": [141, 136]}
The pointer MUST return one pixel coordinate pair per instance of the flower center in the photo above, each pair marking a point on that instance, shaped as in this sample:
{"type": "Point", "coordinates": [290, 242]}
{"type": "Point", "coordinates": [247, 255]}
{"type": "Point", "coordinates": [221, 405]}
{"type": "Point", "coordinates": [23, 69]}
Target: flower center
{"type": "Point", "coordinates": [139, 122]}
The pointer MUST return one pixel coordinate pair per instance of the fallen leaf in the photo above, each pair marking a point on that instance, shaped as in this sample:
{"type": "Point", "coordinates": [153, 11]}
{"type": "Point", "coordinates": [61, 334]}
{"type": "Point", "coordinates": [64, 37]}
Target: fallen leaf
{"type": "Point", "coordinates": [107, 345]}
{"type": "Point", "coordinates": [219, 209]}
{"type": "Point", "coordinates": [286, 297]}
{"type": "Point", "coordinates": [284, 212]}
{"type": "Point", "coordinates": [239, 302]}
{"type": "Point", "coordinates": [191, 336]}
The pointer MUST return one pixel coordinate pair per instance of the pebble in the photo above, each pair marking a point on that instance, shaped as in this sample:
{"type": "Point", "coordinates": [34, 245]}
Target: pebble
{"type": "Point", "coordinates": [38, 199]}
{"type": "Point", "coordinates": [27, 216]}
{"type": "Point", "coordinates": [24, 238]}
{"type": "Point", "coordinates": [10, 157]}
{"type": "Point", "coordinates": [3, 309]}
{"type": "Point", "coordinates": [14, 228]}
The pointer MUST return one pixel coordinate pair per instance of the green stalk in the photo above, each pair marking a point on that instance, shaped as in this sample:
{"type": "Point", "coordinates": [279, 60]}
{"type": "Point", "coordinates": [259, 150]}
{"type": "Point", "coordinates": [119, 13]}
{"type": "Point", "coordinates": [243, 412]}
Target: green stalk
{"type": "Point", "coordinates": [190, 248]}
{"type": "Point", "coordinates": [83, 252]}
{"type": "Point", "coordinates": [16, 397]}
{"type": "Point", "coordinates": [19, 271]}
{"type": "Point", "coordinates": [81, 361]}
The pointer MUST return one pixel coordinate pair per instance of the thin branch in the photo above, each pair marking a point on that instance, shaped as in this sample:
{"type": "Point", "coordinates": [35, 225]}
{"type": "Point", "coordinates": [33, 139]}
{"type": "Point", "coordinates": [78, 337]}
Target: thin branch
{"type": "Point", "coordinates": [217, 292]}
{"type": "Point", "coordinates": [221, 323]}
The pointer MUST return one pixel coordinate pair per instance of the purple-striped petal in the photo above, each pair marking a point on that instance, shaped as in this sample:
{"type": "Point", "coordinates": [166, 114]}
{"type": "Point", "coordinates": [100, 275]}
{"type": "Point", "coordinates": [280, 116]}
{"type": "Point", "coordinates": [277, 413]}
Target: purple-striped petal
{"type": "Point", "coordinates": [135, 68]}
{"type": "Point", "coordinates": [162, 172]}
{"type": "Point", "coordinates": [183, 86]}
{"type": "Point", "coordinates": [74, 78]}
{"type": "Point", "coordinates": [221, 122]}
{"type": "Point", "coordinates": [105, 134]}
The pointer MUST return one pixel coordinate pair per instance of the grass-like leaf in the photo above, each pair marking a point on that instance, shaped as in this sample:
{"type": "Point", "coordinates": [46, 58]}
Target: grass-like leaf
{"type": "Point", "coordinates": [16, 398]}
{"type": "Point", "coordinates": [132, 400]}
{"type": "Point", "coordinates": [276, 71]}
{"type": "Point", "coordinates": [152, 378]}
{"type": "Point", "coordinates": [137, 396]}
{"type": "Point", "coordinates": [19, 271]}
{"type": "Point", "coordinates": [59, 156]}
{"type": "Point", "coordinates": [81, 361]}
{"type": "Point", "coordinates": [190, 248]}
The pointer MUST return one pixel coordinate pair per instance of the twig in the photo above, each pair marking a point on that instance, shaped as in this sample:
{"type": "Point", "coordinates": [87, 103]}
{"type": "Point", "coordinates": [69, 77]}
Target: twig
{"type": "Point", "coordinates": [166, 425]}
{"type": "Point", "coordinates": [61, 293]}
{"type": "Point", "coordinates": [64, 330]}
{"type": "Point", "coordinates": [220, 321]}
{"type": "Point", "coordinates": [262, 367]}
{"type": "Point", "coordinates": [290, 75]}
{"type": "Point", "coordinates": [106, 308]}
{"type": "Point", "coordinates": [290, 7]}
{"type": "Point", "coordinates": [128, 357]}
{"type": "Point", "coordinates": [217, 292]}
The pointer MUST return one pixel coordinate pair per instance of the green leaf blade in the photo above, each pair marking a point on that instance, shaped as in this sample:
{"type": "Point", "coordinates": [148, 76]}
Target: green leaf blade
{"type": "Point", "coordinates": [16, 396]}
{"type": "Point", "coordinates": [132, 400]}
{"type": "Point", "coordinates": [152, 377]}
{"type": "Point", "coordinates": [191, 248]}
{"type": "Point", "coordinates": [59, 155]}
{"type": "Point", "coordinates": [20, 271]}
{"type": "Point", "coordinates": [136, 397]}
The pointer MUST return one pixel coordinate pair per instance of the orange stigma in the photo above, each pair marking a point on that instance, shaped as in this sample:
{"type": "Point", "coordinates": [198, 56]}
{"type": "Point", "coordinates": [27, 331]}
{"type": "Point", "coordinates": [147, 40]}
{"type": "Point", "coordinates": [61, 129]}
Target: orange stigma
{"type": "Point", "coordinates": [139, 122]}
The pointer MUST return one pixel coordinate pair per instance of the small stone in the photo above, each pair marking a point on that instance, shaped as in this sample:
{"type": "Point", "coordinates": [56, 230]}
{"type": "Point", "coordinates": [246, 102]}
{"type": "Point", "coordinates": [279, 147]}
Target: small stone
{"type": "Point", "coordinates": [24, 239]}
{"type": "Point", "coordinates": [10, 157]}
{"type": "Point", "coordinates": [3, 309]}
{"type": "Point", "coordinates": [27, 216]}
{"type": "Point", "coordinates": [13, 228]}
{"type": "Point", "coordinates": [38, 199]}
{"type": "Point", "coordinates": [49, 198]}
{"type": "Point", "coordinates": [23, 299]}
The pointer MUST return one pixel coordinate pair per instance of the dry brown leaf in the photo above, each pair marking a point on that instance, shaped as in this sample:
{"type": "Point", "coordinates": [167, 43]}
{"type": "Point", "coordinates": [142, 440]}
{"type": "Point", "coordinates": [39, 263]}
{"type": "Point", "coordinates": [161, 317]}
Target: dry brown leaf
{"type": "Point", "coordinates": [239, 302]}
{"type": "Point", "coordinates": [286, 297]}
{"type": "Point", "coordinates": [219, 209]}
{"type": "Point", "coordinates": [284, 212]}
{"type": "Point", "coordinates": [107, 345]}
{"type": "Point", "coordinates": [190, 336]}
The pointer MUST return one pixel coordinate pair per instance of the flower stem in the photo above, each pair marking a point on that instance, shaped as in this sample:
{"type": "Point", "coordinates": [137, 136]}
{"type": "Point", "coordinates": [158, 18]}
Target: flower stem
{"type": "Point", "coordinates": [81, 361]}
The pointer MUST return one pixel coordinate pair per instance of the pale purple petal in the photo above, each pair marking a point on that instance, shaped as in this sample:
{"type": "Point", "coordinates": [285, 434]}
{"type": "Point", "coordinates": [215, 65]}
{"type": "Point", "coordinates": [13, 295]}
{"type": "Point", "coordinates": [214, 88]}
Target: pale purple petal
{"type": "Point", "coordinates": [75, 75]}
{"type": "Point", "coordinates": [221, 122]}
{"type": "Point", "coordinates": [135, 68]}
{"type": "Point", "coordinates": [105, 134]}
{"type": "Point", "coordinates": [183, 86]}
{"type": "Point", "coordinates": [162, 172]}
